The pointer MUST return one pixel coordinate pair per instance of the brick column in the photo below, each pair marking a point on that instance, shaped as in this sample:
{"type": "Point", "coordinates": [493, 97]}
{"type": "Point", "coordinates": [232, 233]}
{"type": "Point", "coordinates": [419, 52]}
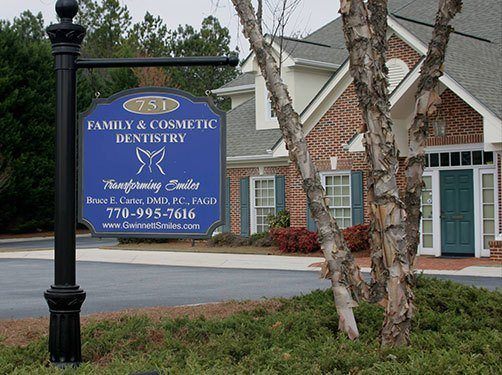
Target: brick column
{"type": "Point", "coordinates": [496, 250]}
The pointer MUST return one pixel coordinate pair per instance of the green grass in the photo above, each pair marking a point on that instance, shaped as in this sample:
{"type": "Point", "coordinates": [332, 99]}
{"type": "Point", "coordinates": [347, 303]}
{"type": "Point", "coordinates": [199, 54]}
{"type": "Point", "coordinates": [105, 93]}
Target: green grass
{"type": "Point", "coordinates": [457, 330]}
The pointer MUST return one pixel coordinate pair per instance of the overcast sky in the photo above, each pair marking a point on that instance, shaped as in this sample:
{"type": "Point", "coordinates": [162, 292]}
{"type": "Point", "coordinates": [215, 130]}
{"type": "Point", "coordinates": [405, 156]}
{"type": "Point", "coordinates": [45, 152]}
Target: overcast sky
{"type": "Point", "coordinates": [311, 14]}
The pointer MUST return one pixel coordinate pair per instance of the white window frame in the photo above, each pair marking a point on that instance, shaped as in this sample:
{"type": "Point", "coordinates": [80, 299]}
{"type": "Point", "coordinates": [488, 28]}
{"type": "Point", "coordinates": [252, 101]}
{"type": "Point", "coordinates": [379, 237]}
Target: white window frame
{"type": "Point", "coordinates": [252, 195]}
{"type": "Point", "coordinates": [477, 171]}
{"type": "Point", "coordinates": [436, 222]}
{"type": "Point", "coordinates": [323, 176]}
{"type": "Point", "coordinates": [268, 107]}
{"type": "Point", "coordinates": [486, 252]}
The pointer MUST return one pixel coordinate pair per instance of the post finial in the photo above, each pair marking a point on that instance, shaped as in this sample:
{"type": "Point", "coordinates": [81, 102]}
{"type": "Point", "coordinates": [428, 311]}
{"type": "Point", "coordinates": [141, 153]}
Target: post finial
{"type": "Point", "coordinates": [66, 9]}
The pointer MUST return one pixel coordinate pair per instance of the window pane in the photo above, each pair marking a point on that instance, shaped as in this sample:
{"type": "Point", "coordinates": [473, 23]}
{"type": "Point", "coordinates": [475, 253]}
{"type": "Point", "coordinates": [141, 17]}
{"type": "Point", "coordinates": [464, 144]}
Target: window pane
{"type": "Point", "coordinates": [427, 226]}
{"type": "Point", "coordinates": [488, 226]}
{"type": "Point", "coordinates": [466, 158]}
{"type": "Point", "coordinates": [477, 157]}
{"type": "Point", "coordinates": [455, 158]}
{"type": "Point", "coordinates": [445, 159]}
{"type": "Point", "coordinates": [427, 197]}
{"type": "Point", "coordinates": [428, 182]}
{"type": "Point", "coordinates": [487, 180]}
{"type": "Point", "coordinates": [427, 212]}
{"type": "Point", "coordinates": [426, 160]}
{"type": "Point", "coordinates": [427, 240]}
{"type": "Point", "coordinates": [434, 160]}
{"type": "Point", "coordinates": [488, 157]}
{"type": "Point", "coordinates": [488, 196]}
{"type": "Point", "coordinates": [488, 211]}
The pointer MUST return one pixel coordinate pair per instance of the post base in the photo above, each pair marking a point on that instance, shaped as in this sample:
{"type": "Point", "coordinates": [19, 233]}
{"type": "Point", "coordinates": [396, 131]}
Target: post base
{"type": "Point", "coordinates": [64, 330]}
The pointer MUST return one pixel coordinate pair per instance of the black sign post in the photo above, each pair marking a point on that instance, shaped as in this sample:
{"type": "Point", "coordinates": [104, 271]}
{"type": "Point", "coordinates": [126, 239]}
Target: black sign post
{"type": "Point", "coordinates": [64, 297]}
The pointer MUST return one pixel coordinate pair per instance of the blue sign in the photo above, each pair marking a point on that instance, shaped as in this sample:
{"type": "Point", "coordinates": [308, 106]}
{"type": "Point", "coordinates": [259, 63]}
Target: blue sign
{"type": "Point", "coordinates": [152, 164]}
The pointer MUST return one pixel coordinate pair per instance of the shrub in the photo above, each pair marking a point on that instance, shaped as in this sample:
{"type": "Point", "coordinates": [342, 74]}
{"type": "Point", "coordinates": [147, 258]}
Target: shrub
{"type": "Point", "coordinates": [358, 238]}
{"type": "Point", "coordinates": [279, 220]}
{"type": "Point", "coordinates": [228, 239]}
{"type": "Point", "coordinates": [295, 240]}
{"type": "Point", "coordinates": [260, 239]}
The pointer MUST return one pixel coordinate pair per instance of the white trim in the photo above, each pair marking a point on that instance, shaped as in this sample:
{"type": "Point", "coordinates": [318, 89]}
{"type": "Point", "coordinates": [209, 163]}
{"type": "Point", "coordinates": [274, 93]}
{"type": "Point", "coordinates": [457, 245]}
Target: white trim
{"type": "Point", "coordinates": [325, 174]}
{"type": "Point", "coordinates": [435, 250]}
{"type": "Point", "coordinates": [315, 64]}
{"type": "Point", "coordinates": [252, 197]}
{"type": "Point", "coordinates": [404, 70]}
{"type": "Point", "coordinates": [453, 85]}
{"type": "Point", "coordinates": [481, 172]}
{"type": "Point", "coordinates": [234, 89]}
{"type": "Point", "coordinates": [407, 36]}
{"type": "Point", "coordinates": [268, 108]}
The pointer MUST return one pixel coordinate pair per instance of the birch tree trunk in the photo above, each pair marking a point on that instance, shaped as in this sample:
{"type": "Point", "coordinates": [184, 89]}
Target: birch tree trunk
{"type": "Point", "coordinates": [426, 103]}
{"type": "Point", "coordinates": [365, 28]}
{"type": "Point", "coordinates": [345, 276]}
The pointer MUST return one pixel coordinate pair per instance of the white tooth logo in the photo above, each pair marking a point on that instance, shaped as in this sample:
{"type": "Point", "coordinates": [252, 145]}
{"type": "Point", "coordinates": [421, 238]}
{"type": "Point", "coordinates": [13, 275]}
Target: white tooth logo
{"type": "Point", "coordinates": [152, 158]}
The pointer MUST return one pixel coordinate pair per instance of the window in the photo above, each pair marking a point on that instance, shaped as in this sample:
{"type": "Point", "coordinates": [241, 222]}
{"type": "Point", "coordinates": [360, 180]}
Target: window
{"type": "Point", "coordinates": [455, 159]}
{"type": "Point", "coordinates": [397, 71]}
{"type": "Point", "coordinates": [338, 192]}
{"type": "Point", "coordinates": [270, 109]}
{"type": "Point", "coordinates": [488, 207]}
{"type": "Point", "coordinates": [427, 227]}
{"type": "Point", "coordinates": [263, 202]}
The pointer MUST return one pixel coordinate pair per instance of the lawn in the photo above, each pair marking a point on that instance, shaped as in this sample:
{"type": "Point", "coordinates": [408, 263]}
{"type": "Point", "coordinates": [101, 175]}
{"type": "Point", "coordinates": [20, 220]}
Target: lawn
{"type": "Point", "coordinates": [457, 330]}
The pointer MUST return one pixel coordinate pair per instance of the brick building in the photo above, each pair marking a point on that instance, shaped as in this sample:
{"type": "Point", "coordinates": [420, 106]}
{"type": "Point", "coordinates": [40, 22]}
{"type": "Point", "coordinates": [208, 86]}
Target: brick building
{"type": "Point", "coordinates": [461, 202]}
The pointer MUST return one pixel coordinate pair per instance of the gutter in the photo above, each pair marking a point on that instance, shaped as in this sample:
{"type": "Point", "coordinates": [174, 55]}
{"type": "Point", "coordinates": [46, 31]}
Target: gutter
{"type": "Point", "coordinates": [234, 89]}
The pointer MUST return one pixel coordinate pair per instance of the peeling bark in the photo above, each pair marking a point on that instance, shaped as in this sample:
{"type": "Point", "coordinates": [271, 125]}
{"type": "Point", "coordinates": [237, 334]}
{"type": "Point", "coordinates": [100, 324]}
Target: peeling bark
{"type": "Point", "coordinates": [426, 102]}
{"type": "Point", "coordinates": [365, 28]}
{"type": "Point", "coordinates": [346, 279]}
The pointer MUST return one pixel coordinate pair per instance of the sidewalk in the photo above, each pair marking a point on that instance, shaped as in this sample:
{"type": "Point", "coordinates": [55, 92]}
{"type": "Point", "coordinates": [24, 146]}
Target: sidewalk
{"type": "Point", "coordinates": [38, 238]}
{"type": "Point", "coordinates": [248, 261]}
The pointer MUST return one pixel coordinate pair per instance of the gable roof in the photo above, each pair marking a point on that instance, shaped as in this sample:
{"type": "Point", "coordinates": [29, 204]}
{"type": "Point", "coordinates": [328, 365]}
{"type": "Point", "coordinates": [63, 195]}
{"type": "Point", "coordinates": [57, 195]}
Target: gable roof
{"type": "Point", "coordinates": [474, 54]}
{"type": "Point", "coordinates": [242, 80]}
{"type": "Point", "coordinates": [242, 137]}
{"type": "Point", "coordinates": [473, 63]}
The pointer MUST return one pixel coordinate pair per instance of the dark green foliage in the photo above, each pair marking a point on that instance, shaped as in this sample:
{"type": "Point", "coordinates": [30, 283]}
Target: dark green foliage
{"type": "Point", "coordinates": [228, 239]}
{"type": "Point", "coordinates": [261, 239]}
{"type": "Point", "coordinates": [457, 330]}
{"type": "Point", "coordinates": [279, 220]}
{"type": "Point", "coordinates": [27, 107]}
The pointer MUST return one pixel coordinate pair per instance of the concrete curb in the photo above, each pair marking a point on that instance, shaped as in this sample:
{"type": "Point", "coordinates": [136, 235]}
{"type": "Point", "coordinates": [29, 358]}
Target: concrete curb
{"type": "Point", "coordinates": [31, 239]}
{"type": "Point", "coordinates": [219, 260]}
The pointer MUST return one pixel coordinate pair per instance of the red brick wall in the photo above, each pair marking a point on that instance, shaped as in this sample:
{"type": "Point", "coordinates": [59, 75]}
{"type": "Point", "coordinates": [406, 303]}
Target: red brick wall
{"type": "Point", "coordinates": [336, 128]}
{"type": "Point", "coordinates": [463, 124]}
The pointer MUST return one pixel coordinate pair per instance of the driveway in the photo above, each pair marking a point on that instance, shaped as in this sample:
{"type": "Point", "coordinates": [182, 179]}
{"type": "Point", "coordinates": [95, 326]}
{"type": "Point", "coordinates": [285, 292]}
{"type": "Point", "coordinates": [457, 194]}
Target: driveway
{"type": "Point", "coordinates": [115, 286]}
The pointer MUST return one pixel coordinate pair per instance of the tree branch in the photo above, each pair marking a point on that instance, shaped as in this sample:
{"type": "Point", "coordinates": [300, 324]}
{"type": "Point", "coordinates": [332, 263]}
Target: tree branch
{"type": "Point", "coordinates": [344, 274]}
{"type": "Point", "coordinates": [426, 102]}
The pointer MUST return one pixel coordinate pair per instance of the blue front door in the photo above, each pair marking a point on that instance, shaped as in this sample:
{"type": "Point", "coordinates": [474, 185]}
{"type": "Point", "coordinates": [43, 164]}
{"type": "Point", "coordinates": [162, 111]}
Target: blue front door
{"type": "Point", "coordinates": [457, 212]}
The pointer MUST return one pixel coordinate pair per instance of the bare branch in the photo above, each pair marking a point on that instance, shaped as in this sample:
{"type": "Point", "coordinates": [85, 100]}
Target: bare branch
{"type": "Point", "coordinates": [344, 274]}
{"type": "Point", "coordinates": [426, 102]}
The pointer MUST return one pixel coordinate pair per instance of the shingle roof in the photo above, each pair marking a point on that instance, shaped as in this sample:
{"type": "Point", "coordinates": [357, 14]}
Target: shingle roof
{"type": "Point", "coordinates": [242, 80]}
{"type": "Point", "coordinates": [474, 60]}
{"type": "Point", "coordinates": [242, 137]}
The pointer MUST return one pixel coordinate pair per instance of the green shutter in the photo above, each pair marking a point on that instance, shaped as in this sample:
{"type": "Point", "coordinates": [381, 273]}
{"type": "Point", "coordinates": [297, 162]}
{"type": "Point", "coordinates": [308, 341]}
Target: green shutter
{"type": "Point", "coordinates": [280, 193]}
{"type": "Point", "coordinates": [244, 199]}
{"type": "Point", "coordinates": [311, 225]}
{"type": "Point", "coordinates": [357, 197]}
{"type": "Point", "coordinates": [226, 227]}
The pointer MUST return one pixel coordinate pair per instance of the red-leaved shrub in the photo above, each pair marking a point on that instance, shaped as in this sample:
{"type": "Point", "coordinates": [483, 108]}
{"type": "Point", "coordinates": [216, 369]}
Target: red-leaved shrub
{"type": "Point", "coordinates": [358, 238]}
{"type": "Point", "coordinates": [295, 240]}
